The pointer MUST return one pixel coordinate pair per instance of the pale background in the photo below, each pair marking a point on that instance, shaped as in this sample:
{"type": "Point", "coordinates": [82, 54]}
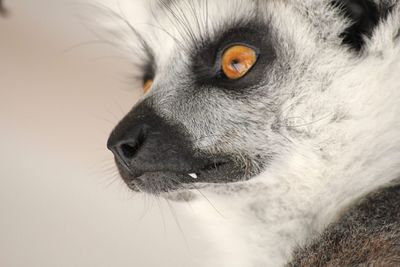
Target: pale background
{"type": "Point", "coordinates": [61, 202]}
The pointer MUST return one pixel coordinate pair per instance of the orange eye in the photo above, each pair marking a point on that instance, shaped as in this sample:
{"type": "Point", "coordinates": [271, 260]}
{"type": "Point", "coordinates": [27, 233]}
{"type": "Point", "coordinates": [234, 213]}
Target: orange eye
{"type": "Point", "coordinates": [147, 86]}
{"type": "Point", "coordinates": [238, 60]}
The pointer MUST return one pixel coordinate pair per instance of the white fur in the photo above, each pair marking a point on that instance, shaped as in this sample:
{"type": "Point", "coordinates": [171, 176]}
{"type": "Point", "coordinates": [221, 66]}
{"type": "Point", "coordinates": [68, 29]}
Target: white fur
{"type": "Point", "coordinates": [354, 149]}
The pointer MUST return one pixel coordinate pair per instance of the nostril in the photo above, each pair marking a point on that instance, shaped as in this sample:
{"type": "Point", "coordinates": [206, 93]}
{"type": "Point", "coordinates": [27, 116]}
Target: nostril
{"type": "Point", "coordinates": [128, 149]}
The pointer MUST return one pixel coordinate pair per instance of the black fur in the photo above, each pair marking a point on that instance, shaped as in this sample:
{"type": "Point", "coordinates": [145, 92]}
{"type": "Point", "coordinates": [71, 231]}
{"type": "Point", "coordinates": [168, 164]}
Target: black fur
{"type": "Point", "coordinates": [364, 15]}
{"type": "Point", "coordinates": [367, 235]}
{"type": "Point", "coordinates": [155, 155]}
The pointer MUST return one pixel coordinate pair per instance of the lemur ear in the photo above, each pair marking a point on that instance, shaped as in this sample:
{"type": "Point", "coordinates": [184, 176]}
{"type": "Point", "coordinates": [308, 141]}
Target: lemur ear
{"type": "Point", "coordinates": [365, 16]}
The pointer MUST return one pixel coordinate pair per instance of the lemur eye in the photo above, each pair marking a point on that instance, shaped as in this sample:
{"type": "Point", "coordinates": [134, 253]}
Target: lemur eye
{"type": "Point", "coordinates": [147, 85]}
{"type": "Point", "coordinates": [237, 60]}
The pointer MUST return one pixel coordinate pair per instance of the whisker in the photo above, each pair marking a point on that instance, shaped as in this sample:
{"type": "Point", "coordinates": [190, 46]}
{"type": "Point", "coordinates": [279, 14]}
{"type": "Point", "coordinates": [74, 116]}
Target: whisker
{"type": "Point", "coordinates": [105, 120]}
{"type": "Point", "coordinates": [202, 194]}
{"type": "Point", "coordinates": [208, 200]}
{"type": "Point", "coordinates": [308, 123]}
{"type": "Point", "coordinates": [84, 44]}
{"type": "Point", "coordinates": [145, 209]}
{"type": "Point", "coordinates": [174, 215]}
{"type": "Point", "coordinates": [114, 179]}
{"type": "Point", "coordinates": [142, 43]}
{"type": "Point", "coordinates": [162, 215]}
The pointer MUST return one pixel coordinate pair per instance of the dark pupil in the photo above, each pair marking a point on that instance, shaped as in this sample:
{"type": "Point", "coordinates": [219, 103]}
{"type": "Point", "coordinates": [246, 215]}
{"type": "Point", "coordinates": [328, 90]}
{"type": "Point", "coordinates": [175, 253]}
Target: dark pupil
{"type": "Point", "coordinates": [235, 64]}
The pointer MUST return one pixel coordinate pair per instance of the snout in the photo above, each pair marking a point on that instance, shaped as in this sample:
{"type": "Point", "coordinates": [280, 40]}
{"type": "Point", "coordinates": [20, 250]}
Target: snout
{"type": "Point", "coordinates": [156, 155]}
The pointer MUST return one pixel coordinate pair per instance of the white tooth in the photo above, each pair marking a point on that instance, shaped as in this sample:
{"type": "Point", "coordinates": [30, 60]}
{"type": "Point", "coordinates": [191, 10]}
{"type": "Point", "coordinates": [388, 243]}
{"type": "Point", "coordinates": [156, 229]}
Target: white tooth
{"type": "Point", "coordinates": [193, 175]}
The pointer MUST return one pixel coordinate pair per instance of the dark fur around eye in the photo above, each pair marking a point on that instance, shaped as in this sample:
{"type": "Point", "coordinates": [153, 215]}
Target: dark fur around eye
{"type": "Point", "coordinates": [149, 72]}
{"type": "Point", "coordinates": [206, 61]}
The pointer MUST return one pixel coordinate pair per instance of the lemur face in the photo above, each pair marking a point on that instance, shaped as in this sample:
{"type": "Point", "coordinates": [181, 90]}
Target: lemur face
{"type": "Point", "coordinates": [233, 87]}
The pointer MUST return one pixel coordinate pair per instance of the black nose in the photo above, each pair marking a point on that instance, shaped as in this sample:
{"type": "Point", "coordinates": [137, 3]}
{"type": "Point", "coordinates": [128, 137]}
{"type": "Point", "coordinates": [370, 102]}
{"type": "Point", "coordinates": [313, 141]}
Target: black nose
{"type": "Point", "coordinates": [146, 142]}
{"type": "Point", "coordinates": [126, 148]}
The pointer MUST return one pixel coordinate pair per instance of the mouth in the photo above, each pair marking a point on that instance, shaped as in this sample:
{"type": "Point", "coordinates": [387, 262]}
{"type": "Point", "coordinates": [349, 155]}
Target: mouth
{"type": "Point", "coordinates": [156, 156]}
{"type": "Point", "coordinates": [164, 181]}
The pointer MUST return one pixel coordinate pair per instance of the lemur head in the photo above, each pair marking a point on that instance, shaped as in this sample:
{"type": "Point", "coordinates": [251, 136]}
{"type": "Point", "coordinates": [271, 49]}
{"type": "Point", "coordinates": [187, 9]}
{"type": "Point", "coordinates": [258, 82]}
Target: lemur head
{"type": "Point", "coordinates": [234, 88]}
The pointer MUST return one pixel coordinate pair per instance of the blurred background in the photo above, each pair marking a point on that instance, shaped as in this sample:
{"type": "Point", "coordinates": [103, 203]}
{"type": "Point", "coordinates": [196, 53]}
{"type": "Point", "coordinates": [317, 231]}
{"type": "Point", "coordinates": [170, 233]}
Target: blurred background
{"type": "Point", "coordinates": [61, 201]}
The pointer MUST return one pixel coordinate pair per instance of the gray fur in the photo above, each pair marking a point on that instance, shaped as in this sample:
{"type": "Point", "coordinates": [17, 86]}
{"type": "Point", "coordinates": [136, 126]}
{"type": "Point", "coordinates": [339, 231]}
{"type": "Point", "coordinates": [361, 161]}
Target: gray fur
{"type": "Point", "coordinates": [367, 235]}
{"type": "Point", "coordinates": [316, 133]}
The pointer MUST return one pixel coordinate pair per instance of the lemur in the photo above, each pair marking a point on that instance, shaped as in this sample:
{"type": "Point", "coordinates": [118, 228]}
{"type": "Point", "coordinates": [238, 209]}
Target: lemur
{"type": "Point", "coordinates": [284, 114]}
